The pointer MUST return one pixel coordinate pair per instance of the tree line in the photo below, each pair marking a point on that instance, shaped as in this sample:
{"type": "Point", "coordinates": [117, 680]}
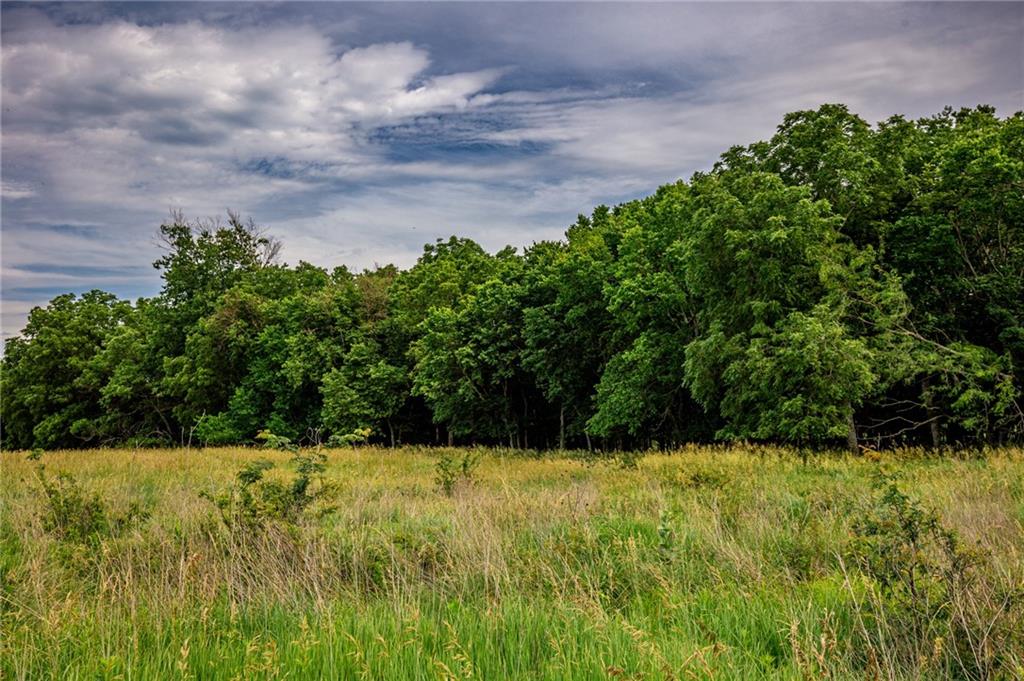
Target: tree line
{"type": "Point", "coordinates": [838, 284]}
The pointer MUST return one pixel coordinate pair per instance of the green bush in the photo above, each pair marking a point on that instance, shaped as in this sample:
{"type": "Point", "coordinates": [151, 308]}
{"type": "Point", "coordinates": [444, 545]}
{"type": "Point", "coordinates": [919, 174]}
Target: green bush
{"type": "Point", "coordinates": [451, 471]}
{"type": "Point", "coordinates": [253, 501]}
{"type": "Point", "coordinates": [81, 522]}
{"type": "Point", "coordinates": [932, 597]}
{"type": "Point", "coordinates": [72, 515]}
{"type": "Point", "coordinates": [358, 436]}
{"type": "Point", "coordinates": [217, 430]}
{"type": "Point", "coordinates": [279, 443]}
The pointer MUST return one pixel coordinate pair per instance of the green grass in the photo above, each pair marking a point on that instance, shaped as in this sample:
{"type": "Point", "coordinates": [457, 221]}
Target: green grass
{"type": "Point", "coordinates": [704, 563]}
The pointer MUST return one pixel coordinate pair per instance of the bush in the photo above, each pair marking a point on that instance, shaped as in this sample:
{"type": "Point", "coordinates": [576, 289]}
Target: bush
{"type": "Point", "coordinates": [253, 500]}
{"type": "Point", "coordinates": [81, 522]}
{"type": "Point", "coordinates": [450, 471]}
{"type": "Point", "coordinates": [72, 515]}
{"type": "Point", "coordinates": [218, 429]}
{"type": "Point", "coordinates": [358, 436]}
{"type": "Point", "coordinates": [934, 601]}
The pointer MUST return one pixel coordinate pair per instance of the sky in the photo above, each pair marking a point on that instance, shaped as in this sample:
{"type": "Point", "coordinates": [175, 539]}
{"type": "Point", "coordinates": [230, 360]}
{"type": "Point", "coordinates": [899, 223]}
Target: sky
{"type": "Point", "coordinates": [356, 133]}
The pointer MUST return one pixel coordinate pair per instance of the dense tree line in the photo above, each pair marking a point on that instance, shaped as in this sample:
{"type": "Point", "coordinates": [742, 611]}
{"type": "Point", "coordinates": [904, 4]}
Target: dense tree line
{"type": "Point", "coordinates": [838, 283]}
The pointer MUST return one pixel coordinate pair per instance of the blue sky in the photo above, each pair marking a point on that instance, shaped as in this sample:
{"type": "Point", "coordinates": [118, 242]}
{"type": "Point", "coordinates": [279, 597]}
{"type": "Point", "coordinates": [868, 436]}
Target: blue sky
{"type": "Point", "coordinates": [359, 132]}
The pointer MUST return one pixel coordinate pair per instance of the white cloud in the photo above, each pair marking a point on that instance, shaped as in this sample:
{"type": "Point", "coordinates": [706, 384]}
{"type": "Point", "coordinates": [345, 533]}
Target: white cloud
{"type": "Point", "coordinates": [156, 113]}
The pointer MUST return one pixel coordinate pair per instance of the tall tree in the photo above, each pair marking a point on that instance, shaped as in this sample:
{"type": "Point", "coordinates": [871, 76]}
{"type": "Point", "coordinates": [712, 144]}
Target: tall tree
{"type": "Point", "coordinates": [776, 353]}
{"type": "Point", "coordinates": [51, 391]}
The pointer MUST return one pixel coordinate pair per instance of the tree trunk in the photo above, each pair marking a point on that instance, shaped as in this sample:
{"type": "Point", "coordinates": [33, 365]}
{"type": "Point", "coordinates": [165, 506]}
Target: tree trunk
{"type": "Point", "coordinates": [526, 421]}
{"type": "Point", "coordinates": [451, 440]}
{"type": "Point", "coordinates": [590, 447]}
{"type": "Point", "coordinates": [851, 430]}
{"type": "Point", "coordinates": [391, 432]}
{"type": "Point", "coordinates": [561, 428]}
{"type": "Point", "coordinates": [933, 419]}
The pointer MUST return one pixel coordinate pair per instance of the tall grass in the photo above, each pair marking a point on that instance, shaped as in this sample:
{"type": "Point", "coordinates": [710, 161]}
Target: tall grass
{"type": "Point", "coordinates": [704, 563]}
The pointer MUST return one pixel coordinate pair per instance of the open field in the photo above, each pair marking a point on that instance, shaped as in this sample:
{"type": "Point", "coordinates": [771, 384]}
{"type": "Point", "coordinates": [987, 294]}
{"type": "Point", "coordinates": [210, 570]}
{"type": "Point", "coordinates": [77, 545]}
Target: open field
{"type": "Point", "coordinates": [706, 563]}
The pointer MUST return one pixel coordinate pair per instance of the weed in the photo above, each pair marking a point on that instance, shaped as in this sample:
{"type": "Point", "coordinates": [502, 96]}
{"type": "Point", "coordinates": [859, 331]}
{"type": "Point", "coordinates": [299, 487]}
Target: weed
{"type": "Point", "coordinates": [629, 460]}
{"type": "Point", "coordinates": [359, 436]}
{"type": "Point", "coordinates": [666, 535]}
{"type": "Point", "coordinates": [72, 515]}
{"type": "Point", "coordinates": [81, 522]}
{"type": "Point", "coordinates": [706, 563]}
{"type": "Point", "coordinates": [707, 478]}
{"type": "Point", "coordinates": [702, 478]}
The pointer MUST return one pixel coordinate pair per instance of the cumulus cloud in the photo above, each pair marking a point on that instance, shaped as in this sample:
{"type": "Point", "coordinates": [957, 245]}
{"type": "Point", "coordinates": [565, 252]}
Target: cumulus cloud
{"type": "Point", "coordinates": [358, 133]}
{"type": "Point", "coordinates": [186, 103]}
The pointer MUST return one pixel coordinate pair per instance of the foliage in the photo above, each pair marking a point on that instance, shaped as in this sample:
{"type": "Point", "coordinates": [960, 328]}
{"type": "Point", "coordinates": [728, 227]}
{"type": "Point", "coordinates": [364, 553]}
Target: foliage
{"type": "Point", "coordinates": [356, 437]}
{"type": "Point", "coordinates": [907, 550]}
{"type": "Point", "coordinates": [365, 389]}
{"type": "Point", "coordinates": [930, 587]}
{"type": "Point", "coordinates": [72, 515]}
{"type": "Point", "coordinates": [840, 282]}
{"type": "Point", "coordinates": [276, 442]}
{"type": "Point", "coordinates": [80, 522]}
{"type": "Point", "coordinates": [51, 394]}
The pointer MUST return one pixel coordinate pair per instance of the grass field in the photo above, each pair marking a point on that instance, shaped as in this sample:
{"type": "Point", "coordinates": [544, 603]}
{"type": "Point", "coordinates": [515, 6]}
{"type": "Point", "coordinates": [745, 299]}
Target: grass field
{"type": "Point", "coordinates": [704, 563]}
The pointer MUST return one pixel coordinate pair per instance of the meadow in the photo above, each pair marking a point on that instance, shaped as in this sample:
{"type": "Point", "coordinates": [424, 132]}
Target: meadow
{"type": "Point", "coordinates": [368, 563]}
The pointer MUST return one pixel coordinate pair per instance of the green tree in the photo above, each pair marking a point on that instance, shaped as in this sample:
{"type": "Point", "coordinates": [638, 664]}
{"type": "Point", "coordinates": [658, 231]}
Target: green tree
{"type": "Point", "coordinates": [445, 273]}
{"type": "Point", "coordinates": [365, 391]}
{"type": "Point", "coordinates": [641, 391]}
{"type": "Point", "coordinates": [566, 324]}
{"type": "Point", "coordinates": [258, 360]}
{"type": "Point", "coordinates": [781, 351]}
{"type": "Point", "coordinates": [469, 361]}
{"type": "Point", "coordinates": [51, 392]}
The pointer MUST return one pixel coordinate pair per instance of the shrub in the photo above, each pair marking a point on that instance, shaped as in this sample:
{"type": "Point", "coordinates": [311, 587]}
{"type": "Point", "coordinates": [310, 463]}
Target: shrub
{"type": "Point", "coordinates": [358, 436]}
{"type": "Point", "coordinates": [81, 522]}
{"type": "Point", "coordinates": [218, 429]}
{"type": "Point", "coordinates": [72, 515]}
{"type": "Point", "coordinates": [451, 471]}
{"type": "Point", "coordinates": [253, 500]}
{"type": "Point", "coordinates": [933, 599]}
